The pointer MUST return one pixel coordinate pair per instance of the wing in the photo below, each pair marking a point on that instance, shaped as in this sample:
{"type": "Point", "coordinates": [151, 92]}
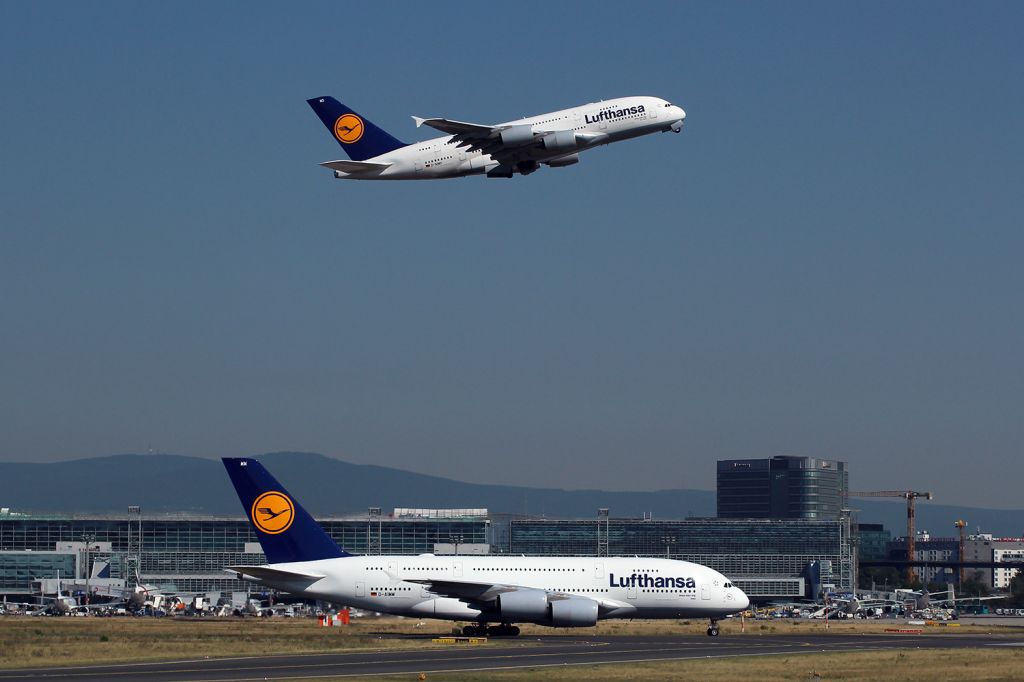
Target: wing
{"type": "Point", "coordinates": [446, 125]}
{"type": "Point", "coordinates": [511, 143]}
{"type": "Point", "coordinates": [483, 138]}
{"type": "Point", "coordinates": [481, 593]}
{"type": "Point", "coordinates": [464, 590]}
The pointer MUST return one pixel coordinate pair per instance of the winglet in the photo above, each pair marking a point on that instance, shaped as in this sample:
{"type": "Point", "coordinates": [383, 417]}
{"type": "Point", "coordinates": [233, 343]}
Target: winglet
{"type": "Point", "coordinates": [419, 121]}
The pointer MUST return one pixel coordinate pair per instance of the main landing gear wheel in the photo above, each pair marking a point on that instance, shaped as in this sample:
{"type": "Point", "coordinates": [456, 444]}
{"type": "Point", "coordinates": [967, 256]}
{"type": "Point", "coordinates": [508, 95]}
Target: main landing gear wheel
{"type": "Point", "coordinates": [474, 630]}
{"type": "Point", "coordinates": [503, 630]}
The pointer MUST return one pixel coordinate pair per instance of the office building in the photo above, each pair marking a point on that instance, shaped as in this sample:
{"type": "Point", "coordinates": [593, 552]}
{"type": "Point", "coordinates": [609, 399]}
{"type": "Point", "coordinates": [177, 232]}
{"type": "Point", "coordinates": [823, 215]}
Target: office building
{"type": "Point", "coordinates": [781, 487]}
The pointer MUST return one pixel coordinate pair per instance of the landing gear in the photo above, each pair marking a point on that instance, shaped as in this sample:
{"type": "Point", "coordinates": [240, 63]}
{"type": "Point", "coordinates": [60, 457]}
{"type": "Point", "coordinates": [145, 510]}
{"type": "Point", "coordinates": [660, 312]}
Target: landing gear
{"type": "Point", "coordinates": [713, 628]}
{"type": "Point", "coordinates": [527, 167]}
{"type": "Point", "coordinates": [483, 630]}
{"type": "Point", "coordinates": [503, 630]}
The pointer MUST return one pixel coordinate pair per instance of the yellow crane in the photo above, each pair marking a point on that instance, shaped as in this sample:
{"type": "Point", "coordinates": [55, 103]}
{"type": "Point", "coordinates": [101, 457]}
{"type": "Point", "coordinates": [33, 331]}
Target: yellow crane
{"type": "Point", "coordinates": [911, 497]}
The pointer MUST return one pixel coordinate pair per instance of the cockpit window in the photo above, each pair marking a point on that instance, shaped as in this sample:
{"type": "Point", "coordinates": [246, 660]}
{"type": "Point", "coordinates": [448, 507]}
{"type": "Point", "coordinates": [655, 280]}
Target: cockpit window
{"type": "Point", "coordinates": [667, 104]}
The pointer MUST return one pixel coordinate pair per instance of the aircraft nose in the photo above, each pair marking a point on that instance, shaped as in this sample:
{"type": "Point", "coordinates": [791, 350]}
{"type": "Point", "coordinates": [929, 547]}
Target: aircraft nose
{"type": "Point", "coordinates": [679, 117]}
{"type": "Point", "coordinates": [742, 600]}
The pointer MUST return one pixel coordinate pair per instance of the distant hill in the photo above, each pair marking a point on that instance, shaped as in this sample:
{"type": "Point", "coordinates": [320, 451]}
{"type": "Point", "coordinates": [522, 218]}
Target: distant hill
{"type": "Point", "coordinates": [326, 486]}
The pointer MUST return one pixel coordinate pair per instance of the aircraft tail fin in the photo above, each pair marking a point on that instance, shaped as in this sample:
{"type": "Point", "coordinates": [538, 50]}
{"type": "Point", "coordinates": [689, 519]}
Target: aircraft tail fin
{"type": "Point", "coordinates": [285, 530]}
{"type": "Point", "coordinates": [356, 134]}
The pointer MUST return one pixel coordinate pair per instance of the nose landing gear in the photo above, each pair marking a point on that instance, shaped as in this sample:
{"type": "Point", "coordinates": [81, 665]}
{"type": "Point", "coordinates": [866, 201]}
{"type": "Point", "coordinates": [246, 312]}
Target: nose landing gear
{"type": "Point", "coordinates": [713, 628]}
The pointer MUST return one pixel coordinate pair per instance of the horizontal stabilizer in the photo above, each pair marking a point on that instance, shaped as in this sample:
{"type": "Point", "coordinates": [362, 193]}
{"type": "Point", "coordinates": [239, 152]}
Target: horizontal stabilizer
{"type": "Point", "coordinates": [356, 166]}
{"type": "Point", "coordinates": [274, 574]}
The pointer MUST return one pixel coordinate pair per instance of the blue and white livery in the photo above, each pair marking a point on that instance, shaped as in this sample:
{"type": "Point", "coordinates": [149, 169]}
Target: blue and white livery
{"type": "Point", "coordinates": [497, 151]}
{"type": "Point", "coordinates": [503, 590]}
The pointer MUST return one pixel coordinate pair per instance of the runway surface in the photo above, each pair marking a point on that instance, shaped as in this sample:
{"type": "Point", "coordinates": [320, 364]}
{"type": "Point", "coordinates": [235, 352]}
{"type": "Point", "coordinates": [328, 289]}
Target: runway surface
{"type": "Point", "coordinates": [533, 652]}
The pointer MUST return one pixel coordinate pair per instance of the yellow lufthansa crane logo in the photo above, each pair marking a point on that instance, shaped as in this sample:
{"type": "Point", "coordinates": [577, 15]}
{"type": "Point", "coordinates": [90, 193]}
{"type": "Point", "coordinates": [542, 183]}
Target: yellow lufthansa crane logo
{"type": "Point", "coordinates": [348, 128]}
{"type": "Point", "coordinates": [272, 512]}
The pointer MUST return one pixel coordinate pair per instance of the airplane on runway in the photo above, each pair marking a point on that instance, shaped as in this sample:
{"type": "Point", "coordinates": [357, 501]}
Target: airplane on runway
{"type": "Point", "coordinates": [553, 591]}
{"type": "Point", "coordinates": [497, 151]}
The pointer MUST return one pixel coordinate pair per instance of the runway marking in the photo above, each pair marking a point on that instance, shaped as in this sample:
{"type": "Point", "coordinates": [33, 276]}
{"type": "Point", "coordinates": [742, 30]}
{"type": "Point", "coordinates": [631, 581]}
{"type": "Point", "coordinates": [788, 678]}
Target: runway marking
{"type": "Point", "coordinates": [531, 665]}
{"type": "Point", "coordinates": [587, 648]}
{"type": "Point", "coordinates": [469, 656]}
{"type": "Point", "coordinates": [595, 649]}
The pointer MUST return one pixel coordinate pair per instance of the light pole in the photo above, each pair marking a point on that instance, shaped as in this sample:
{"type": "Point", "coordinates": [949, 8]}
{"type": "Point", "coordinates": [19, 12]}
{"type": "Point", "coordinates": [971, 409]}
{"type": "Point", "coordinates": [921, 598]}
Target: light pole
{"type": "Point", "coordinates": [669, 541]}
{"type": "Point", "coordinates": [88, 539]}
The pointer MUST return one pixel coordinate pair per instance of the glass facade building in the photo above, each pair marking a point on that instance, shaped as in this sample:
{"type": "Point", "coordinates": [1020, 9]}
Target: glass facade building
{"type": "Point", "coordinates": [188, 553]}
{"type": "Point", "coordinates": [765, 558]}
{"type": "Point", "coordinates": [782, 487]}
{"type": "Point", "coordinates": [872, 541]}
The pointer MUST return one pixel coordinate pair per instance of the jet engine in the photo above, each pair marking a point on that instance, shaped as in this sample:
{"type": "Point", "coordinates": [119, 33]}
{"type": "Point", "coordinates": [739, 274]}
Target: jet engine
{"type": "Point", "coordinates": [559, 140]}
{"type": "Point", "coordinates": [524, 605]}
{"type": "Point", "coordinates": [533, 606]}
{"type": "Point", "coordinates": [575, 612]}
{"type": "Point", "coordinates": [567, 160]}
{"type": "Point", "coordinates": [515, 136]}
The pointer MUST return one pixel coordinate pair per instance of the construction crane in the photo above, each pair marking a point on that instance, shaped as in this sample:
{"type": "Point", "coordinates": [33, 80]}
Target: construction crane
{"type": "Point", "coordinates": [960, 524]}
{"type": "Point", "coordinates": [911, 497]}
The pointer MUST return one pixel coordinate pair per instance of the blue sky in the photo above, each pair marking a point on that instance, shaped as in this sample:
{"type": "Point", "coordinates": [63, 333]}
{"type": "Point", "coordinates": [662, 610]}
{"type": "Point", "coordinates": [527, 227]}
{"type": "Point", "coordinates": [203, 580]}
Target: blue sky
{"type": "Point", "coordinates": [825, 262]}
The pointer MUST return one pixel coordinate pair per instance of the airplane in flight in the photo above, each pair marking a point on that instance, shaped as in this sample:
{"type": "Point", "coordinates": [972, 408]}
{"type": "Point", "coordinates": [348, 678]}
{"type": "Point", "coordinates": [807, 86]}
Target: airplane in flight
{"type": "Point", "coordinates": [497, 151]}
{"type": "Point", "coordinates": [504, 590]}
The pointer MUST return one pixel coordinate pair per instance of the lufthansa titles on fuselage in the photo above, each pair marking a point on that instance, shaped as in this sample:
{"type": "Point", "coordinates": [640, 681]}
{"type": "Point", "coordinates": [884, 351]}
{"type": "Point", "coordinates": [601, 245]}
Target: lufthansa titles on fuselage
{"type": "Point", "coordinates": [611, 114]}
{"type": "Point", "coordinates": [647, 580]}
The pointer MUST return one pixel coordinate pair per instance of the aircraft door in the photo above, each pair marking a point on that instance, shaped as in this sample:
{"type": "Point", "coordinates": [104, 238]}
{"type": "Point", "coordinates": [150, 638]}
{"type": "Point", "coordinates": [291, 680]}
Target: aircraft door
{"type": "Point", "coordinates": [457, 569]}
{"type": "Point", "coordinates": [598, 571]}
{"type": "Point", "coordinates": [652, 112]}
{"type": "Point", "coordinates": [360, 588]}
{"type": "Point", "coordinates": [631, 592]}
{"type": "Point", "coordinates": [705, 592]}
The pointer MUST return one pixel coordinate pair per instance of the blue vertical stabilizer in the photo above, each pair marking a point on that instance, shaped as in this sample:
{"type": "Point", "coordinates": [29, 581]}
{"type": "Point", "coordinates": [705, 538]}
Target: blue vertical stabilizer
{"type": "Point", "coordinates": [285, 530]}
{"type": "Point", "coordinates": [356, 134]}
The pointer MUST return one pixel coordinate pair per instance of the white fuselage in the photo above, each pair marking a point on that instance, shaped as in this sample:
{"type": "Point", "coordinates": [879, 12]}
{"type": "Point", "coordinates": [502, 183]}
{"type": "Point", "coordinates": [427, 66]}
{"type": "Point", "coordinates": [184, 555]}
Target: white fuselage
{"type": "Point", "coordinates": [594, 124]}
{"type": "Point", "coordinates": [622, 587]}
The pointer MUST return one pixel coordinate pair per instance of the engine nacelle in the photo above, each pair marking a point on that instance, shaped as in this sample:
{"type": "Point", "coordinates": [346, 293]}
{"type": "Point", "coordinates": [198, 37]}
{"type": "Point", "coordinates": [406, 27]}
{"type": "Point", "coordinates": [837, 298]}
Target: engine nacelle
{"type": "Point", "coordinates": [530, 606]}
{"type": "Point", "coordinates": [575, 612]}
{"type": "Point", "coordinates": [559, 140]}
{"type": "Point", "coordinates": [567, 160]}
{"type": "Point", "coordinates": [517, 135]}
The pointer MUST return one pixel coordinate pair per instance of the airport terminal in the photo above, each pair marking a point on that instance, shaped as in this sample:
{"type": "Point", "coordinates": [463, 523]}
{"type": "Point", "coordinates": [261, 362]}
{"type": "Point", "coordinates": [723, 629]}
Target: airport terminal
{"type": "Point", "coordinates": [781, 533]}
